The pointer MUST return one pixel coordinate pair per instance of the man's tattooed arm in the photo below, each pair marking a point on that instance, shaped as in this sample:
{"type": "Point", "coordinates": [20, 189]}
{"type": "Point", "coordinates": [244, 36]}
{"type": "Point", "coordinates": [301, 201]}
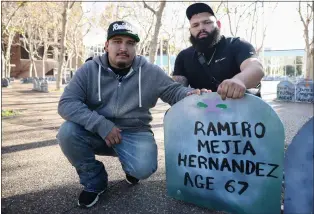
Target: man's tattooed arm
{"type": "Point", "coordinates": [181, 79]}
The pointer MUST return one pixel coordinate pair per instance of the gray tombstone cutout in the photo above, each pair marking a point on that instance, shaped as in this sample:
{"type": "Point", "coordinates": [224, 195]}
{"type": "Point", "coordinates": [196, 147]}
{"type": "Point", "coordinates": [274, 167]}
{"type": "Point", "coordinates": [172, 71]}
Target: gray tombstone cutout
{"type": "Point", "coordinates": [5, 82]}
{"type": "Point", "coordinates": [286, 91]}
{"type": "Point", "coordinates": [225, 155]}
{"type": "Point", "coordinates": [304, 92]}
{"type": "Point", "coordinates": [28, 80]}
{"type": "Point", "coordinates": [36, 85]}
{"type": "Point", "coordinates": [299, 172]}
{"type": "Point", "coordinates": [44, 86]}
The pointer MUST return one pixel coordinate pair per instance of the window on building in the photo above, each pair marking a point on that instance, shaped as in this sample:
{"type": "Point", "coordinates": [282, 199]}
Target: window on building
{"type": "Point", "coordinates": [24, 53]}
{"type": "Point", "coordinates": [50, 53]}
{"type": "Point", "coordinates": [291, 66]}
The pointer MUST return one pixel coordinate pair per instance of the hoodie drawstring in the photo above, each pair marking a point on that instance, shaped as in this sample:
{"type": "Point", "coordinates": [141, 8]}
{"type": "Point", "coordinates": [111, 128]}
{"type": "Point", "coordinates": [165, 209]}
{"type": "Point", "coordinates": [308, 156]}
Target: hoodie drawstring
{"type": "Point", "coordinates": [99, 71]}
{"type": "Point", "coordinates": [140, 87]}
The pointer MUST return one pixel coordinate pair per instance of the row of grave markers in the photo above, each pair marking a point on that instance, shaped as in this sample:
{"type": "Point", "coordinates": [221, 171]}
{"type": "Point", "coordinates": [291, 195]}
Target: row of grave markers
{"type": "Point", "coordinates": [300, 92]}
{"type": "Point", "coordinates": [229, 156]}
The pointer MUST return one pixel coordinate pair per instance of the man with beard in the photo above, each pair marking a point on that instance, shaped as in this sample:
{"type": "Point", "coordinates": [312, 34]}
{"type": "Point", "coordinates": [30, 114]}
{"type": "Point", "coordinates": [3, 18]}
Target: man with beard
{"type": "Point", "coordinates": [106, 108]}
{"type": "Point", "coordinates": [226, 65]}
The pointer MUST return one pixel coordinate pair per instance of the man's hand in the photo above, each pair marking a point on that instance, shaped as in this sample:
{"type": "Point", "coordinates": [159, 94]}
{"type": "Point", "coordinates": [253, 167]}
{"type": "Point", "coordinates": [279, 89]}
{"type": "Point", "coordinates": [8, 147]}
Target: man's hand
{"type": "Point", "coordinates": [231, 88]}
{"type": "Point", "coordinates": [114, 137]}
{"type": "Point", "coordinates": [198, 92]}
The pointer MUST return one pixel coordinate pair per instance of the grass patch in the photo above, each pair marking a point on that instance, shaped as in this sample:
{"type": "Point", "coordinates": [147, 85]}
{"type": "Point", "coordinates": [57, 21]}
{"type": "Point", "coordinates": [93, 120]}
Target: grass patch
{"type": "Point", "coordinates": [55, 90]}
{"type": "Point", "coordinates": [9, 113]}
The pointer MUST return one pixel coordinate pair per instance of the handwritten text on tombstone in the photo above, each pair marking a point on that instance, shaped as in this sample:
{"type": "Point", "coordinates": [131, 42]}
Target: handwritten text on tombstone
{"type": "Point", "coordinates": [286, 91]}
{"type": "Point", "coordinates": [236, 147]}
{"type": "Point", "coordinates": [305, 92]}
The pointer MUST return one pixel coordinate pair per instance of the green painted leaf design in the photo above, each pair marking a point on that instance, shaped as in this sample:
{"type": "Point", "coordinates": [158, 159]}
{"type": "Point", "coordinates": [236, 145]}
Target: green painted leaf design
{"type": "Point", "coordinates": [201, 105]}
{"type": "Point", "coordinates": [224, 106]}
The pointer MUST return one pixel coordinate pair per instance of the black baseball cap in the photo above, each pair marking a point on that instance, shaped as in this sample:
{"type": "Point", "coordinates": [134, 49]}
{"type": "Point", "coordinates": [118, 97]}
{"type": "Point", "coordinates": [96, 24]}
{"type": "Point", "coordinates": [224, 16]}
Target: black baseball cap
{"type": "Point", "coordinates": [198, 8]}
{"type": "Point", "coordinates": [122, 28]}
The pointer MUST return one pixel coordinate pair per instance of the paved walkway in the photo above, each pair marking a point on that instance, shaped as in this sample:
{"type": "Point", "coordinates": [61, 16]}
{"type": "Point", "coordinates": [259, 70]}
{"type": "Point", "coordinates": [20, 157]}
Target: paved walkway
{"type": "Point", "coordinates": [37, 178]}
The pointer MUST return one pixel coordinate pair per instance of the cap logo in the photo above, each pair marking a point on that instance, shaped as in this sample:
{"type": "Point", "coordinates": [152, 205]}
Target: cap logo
{"type": "Point", "coordinates": [123, 26]}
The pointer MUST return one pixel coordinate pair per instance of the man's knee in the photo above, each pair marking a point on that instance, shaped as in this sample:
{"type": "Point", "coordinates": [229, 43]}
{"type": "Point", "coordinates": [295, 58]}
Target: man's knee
{"type": "Point", "coordinates": [68, 132]}
{"type": "Point", "coordinates": [143, 170]}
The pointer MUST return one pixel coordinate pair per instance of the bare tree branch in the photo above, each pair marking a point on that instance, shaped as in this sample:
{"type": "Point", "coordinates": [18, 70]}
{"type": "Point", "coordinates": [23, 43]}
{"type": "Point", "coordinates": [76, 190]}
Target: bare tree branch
{"type": "Point", "coordinates": [254, 13]}
{"type": "Point", "coordinates": [229, 18]}
{"type": "Point", "coordinates": [218, 7]}
{"type": "Point", "coordinates": [310, 16]}
{"type": "Point", "coordinates": [244, 12]}
{"type": "Point", "coordinates": [148, 7]}
{"type": "Point", "coordinates": [71, 5]}
{"type": "Point", "coordinates": [301, 17]}
{"type": "Point", "coordinates": [89, 27]}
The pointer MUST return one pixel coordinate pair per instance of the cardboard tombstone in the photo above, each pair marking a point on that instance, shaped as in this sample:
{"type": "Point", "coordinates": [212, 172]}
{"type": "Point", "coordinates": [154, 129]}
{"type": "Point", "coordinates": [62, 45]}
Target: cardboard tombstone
{"type": "Point", "coordinates": [299, 172]}
{"type": "Point", "coordinates": [35, 84]}
{"type": "Point", "coordinates": [44, 86]}
{"type": "Point", "coordinates": [225, 155]}
{"type": "Point", "coordinates": [5, 82]}
{"type": "Point", "coordinates": [305, 91]}
{"type": "Point", "coordinates": [286, 91]}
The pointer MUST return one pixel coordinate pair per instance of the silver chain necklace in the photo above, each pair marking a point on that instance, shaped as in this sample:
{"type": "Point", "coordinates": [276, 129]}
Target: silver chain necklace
{"type": "Point", "coordinates": [211, 57]}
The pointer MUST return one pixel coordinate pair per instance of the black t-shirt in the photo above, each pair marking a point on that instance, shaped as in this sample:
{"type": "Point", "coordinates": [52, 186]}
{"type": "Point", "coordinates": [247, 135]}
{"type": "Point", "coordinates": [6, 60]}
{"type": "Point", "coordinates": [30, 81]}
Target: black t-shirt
{"type": "Point", "coordinates": [227, 57]}
{"type": "Point", "coordinates": [120, 72]}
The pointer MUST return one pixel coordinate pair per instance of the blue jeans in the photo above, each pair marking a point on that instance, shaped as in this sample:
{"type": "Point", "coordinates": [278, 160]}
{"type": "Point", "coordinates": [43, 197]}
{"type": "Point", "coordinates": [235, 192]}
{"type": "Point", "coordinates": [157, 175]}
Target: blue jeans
{"type": "Point", "coordinates": [137, 153]}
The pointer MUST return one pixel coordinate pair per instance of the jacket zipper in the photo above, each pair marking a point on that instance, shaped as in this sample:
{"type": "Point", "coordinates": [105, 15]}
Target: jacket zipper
{"type": "Point", "coordinates": [117, 99]}
{"type": "Point", "coordinates": [118, 89]}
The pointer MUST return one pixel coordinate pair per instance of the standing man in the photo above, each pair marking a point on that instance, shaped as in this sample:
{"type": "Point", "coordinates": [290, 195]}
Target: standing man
{"type": "Point", "coordinates": [228, 66]}
{"type": "Point", "coordinates": [107, 111]}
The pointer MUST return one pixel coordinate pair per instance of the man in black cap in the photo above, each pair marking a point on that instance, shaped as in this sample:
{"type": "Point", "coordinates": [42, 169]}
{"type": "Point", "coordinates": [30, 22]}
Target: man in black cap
{"type": "Point", "coordinates": [107, 111]}
{"type": "Point", "coordinates": [228, 66]}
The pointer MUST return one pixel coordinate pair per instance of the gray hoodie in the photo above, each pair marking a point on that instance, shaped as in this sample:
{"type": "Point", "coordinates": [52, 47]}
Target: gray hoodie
{"type": "Point", "coordinates": [96, 99]}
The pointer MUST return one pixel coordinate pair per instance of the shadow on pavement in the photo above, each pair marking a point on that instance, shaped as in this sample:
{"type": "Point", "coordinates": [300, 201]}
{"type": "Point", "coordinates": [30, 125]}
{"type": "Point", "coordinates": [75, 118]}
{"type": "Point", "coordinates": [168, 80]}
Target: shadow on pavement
{"type": "Point", "coordinates": [120, 198]}
{"type": "Point", "coordinates": [20, 147]}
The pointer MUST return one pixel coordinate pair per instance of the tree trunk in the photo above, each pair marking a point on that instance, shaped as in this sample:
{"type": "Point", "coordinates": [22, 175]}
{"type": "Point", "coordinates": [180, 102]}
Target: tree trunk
{"type": "Point", "coordinates": [309, 45]}
{"type": "Point", "coordinates": [35, 69]}
{"type": "Point", "coordinates": [76, 62]}
{"type": "Point", "coordinates": [31, 69]}
{"type": "Point", "coordinates": [75, 56]}
{"type": "Point", "coordinates": [153, 44]}
{"type": "Point", "coordinates": [309, 65]}
{"type": "Point", "coordinates": [63, 44]}
{"type": "Point", "coordinates": [3, 64]}
{"type": "Point", "coordinates": [31, 57]}
{"type": "Point", "coordinates": [161, 53]}
{"type": "Point", "coordinates": [169, 62]}
{"type": "Point", "coordinates": [45, 51]}
{"type": "Point", "coordinates": [8, 56]}
{"type": "Point", "coordinates": [309, 57]}
{"type": "Point", "coordinates": [44, 61]}
{"type": "Point", "coordinates": [55, 46]}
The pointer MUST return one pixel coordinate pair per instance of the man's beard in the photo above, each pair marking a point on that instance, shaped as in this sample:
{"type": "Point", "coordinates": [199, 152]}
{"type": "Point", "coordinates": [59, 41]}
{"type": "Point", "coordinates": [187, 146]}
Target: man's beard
{"type": "Point", "coordinates": [121, 65]}
{"type": "Point", "coordinates": [203, 44]}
